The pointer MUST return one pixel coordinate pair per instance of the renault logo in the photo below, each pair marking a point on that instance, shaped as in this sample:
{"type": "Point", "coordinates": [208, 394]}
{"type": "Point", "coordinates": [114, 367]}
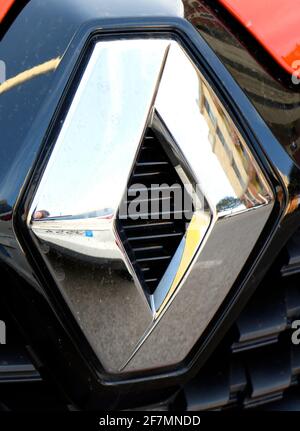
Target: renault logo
{"type": "Point", "coordinates": [149, 205]}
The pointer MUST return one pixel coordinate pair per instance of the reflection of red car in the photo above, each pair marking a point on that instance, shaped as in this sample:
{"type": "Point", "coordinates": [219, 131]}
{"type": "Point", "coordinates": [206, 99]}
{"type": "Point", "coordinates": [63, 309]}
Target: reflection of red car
{"type": "Point", "coordinates": [275, 24]}
{"type": "Point", "coordinates": [5, 7]}
{"type": "Point", "coordinates": [159, 313]}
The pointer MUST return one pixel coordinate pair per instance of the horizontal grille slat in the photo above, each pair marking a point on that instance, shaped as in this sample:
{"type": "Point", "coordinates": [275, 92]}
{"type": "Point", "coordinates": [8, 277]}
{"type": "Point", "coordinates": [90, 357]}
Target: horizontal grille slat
{"type": "Point", "coordinates": [138, 188]}
{"type": "Point", "coordinates": [156, 237]}
{"type": "Point", "coordinates": [158, 225]}
{"type": "Point", "coordinates": [153, 259]}
{"type": "Point", "coordinates": [151, 280]}
{"type": "Point", "coordinates": [152, 163]}
{"type": "Point", "coordinates": [161, 214]}
{"type": "Point", "coordinates": [16, 366]}
{"type": "Point", "coordinates": [151, 248]}
{"type": "Point", "coordinates": [147, 175]}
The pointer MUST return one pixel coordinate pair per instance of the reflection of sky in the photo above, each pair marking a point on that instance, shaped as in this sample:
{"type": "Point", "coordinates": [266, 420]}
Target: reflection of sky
{"type": "Point", "coordinates": [103, 128]}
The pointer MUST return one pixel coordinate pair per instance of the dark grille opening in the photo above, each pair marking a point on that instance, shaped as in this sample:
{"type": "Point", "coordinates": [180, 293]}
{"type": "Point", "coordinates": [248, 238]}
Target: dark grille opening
{"type": "Point", "coordinates": [21, 385]}
{"type": "Point", "coordinates": [15, 364]}
{"type": "Point", "coordinates": [256, 365]}
{"type": "Point", "coordinates": [152, 239]}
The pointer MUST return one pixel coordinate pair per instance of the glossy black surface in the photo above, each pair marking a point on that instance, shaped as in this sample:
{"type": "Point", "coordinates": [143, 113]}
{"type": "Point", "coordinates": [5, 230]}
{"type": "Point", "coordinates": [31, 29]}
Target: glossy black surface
{"type": "Point", "coordinates": [271, 91]}
{"type": "Point", "coordinates": [44, 31]}
{"type": "Point", "coordinates": [41, 33]}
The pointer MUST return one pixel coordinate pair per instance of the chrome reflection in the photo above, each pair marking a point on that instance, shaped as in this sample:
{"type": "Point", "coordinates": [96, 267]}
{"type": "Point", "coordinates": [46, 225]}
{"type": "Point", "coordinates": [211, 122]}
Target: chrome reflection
{"type": "Point", "coordinates": [126, 87]}
{"type": "Point", "coordinates": [81, 190]}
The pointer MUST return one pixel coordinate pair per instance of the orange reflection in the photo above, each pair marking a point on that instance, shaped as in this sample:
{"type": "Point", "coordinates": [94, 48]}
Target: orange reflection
{"type": "Point", "coordinates": [5, 5]}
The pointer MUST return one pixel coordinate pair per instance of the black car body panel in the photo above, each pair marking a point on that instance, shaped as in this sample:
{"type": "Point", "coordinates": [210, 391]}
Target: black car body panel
{"type": "Point", "coordinates": [43, 48]}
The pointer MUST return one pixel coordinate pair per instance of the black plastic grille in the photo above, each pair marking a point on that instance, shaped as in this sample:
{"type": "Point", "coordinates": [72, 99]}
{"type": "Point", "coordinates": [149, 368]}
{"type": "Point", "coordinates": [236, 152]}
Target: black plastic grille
{"type": "Point", "coordinates": [257, 365]}
{"type": "Point", "coordinates": [152, 239]}
{"type": "Point", "coordinates": [21, 384]}
{"type": "Point", "coordinates": [15, 364]}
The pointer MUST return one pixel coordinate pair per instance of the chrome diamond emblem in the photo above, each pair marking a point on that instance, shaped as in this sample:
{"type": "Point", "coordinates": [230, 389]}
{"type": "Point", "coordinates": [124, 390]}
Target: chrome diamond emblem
{"type": "Point", "coordinates": [130, 87]}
